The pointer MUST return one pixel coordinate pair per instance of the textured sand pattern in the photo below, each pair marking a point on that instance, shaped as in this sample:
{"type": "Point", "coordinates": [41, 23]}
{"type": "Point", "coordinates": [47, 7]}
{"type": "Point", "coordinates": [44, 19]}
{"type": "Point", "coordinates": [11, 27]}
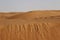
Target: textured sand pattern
{"type": "Point", "coordinates": [30, 26]}
{"type": "Point", "coordinates": [41, 31]}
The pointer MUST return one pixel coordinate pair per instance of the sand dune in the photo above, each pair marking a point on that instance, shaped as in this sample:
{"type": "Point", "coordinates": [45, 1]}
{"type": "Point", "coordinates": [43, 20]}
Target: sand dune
{"type": "Point", "coordinates": [33, 25]}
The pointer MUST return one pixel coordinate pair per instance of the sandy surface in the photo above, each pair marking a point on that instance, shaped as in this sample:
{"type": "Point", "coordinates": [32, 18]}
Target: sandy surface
{"type": "Point", "coordinates": [33, 25]}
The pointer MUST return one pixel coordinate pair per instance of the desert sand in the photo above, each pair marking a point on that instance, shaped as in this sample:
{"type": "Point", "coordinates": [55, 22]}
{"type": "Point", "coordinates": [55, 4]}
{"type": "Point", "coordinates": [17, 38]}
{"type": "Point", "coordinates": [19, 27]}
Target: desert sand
{"type": "Point", "coordinates": [32, 25]}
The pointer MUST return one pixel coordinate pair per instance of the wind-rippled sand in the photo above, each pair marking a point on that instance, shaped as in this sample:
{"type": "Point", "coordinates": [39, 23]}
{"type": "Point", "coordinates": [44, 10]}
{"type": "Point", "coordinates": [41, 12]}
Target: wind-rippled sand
{"type": "Point", "coordinates": [33, 25]}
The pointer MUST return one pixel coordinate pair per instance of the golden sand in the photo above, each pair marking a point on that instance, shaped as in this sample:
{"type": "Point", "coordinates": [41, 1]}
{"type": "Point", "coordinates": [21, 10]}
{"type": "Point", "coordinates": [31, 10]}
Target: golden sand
{"type": "Point", "coordinates": [33, 25]}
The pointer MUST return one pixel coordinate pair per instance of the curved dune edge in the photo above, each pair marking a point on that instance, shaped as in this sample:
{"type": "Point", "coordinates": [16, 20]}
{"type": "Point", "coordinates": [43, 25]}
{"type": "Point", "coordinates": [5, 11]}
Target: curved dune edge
{"type": "Point", "coordinates": [31, 16]}
{"type": "Point", "coordinates": [14, 15]}
{"type": "Point", "coordinates": [41, 13]}
{"type": "Point", "coordinates": [33, 25]}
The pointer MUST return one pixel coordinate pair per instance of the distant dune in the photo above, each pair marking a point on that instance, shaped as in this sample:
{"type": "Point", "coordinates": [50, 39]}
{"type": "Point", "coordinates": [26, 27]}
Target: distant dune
{"type": "Point", "coordinates": [32, 25]}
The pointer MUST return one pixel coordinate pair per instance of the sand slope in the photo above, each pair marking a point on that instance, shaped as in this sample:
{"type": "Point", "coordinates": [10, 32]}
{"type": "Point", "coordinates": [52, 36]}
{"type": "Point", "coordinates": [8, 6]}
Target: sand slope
{"type": "Point", "coordinates": [33, 25]}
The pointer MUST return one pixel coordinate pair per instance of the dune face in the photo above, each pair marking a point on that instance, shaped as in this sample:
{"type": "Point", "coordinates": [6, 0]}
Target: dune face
{"type": "Point", "coordinates": [33, 25]}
